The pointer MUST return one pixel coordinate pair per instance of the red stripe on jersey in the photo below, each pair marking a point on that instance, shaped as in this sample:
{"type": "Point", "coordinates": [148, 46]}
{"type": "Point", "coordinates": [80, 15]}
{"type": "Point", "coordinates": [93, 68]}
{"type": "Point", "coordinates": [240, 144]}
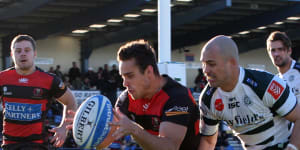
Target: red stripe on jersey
{"type": "Point", "coordinates": [13, 142]}
{"type": "Point", "coordinates": [191, 96]}
{"type": "Point", "coordinates": [21, 130]}
{"type": "Point", "coordinates": [37, 79]}
{"type": "Point", "coordinates": [149, 107]}
{"type": "Point", "coordinates": [197, 125]}
{"type": "Point", "coordinates": [44, 102]}
{"type": "Point", "coordinates": [152, 132]}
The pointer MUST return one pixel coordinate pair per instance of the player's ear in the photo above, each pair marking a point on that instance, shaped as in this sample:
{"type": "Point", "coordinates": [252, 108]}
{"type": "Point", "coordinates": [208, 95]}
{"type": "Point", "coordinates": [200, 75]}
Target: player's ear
{"type": "Point", "coordinates": [289, 51]}
{"type": "Point", "coordinates": [35, 54]}
{"type": "Point", "coordinates": [149, 70]}
{"type": "Point", "coordinates": [233, 61]}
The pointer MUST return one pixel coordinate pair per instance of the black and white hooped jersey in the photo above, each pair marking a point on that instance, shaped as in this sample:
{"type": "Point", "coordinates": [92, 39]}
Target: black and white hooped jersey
{"type": "Point", "coordinates": [254, 110]}
{"type": "Point", "coordinates": [292, 77]}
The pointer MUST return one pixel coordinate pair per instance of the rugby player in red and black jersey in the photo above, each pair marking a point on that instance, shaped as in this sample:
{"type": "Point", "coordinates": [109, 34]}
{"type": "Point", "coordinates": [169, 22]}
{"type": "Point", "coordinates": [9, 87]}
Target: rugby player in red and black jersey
{"type": "Point", "coordinates": [27, 92]}
{"type": "Point", "coordinates": [156, 110]}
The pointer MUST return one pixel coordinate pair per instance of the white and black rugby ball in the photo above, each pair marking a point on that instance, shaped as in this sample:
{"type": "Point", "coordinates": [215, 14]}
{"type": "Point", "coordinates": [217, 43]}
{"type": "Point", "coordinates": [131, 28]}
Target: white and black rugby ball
{"type": "Point", "coordinates": [91, 121]}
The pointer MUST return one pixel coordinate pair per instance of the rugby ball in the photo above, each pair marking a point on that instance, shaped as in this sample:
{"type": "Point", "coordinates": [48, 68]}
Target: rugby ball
{"type": "Point", "coordinates": [91, 122]}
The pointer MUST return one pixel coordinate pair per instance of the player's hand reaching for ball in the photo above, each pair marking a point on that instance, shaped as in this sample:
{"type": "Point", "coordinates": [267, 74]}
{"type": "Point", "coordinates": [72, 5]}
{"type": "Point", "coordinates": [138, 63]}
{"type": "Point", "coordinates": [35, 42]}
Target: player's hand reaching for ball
{"type": "Point", "coordinates": [60, 135]}
{"type": "Point", "coordinates": [124, 125]}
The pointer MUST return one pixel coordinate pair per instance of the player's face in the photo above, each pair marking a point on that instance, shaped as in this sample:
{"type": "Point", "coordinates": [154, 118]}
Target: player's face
{"type": "Point", "coordinates": [137, 83]}
{"type": "Point", "coordinates": [278, 53]}
{"type": "Point", "coordinates": [23, 55]}
{"type": "Point", "coordinates": [215, 68]}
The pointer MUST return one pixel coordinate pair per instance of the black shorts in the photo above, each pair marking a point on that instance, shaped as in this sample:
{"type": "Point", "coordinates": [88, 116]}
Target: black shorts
{"type": "Point", "coordinates": [25, 146]}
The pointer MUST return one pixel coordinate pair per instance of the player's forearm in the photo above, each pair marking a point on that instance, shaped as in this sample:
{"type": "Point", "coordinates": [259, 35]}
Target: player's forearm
{"type": "Point", "coordinates": [152, 142]}
{"type": "Point", "coordinates": [296, 134]}
{"type": "Point", "coordinates": [71, 105]}
{"type": "Point", "coordinates": [206, 144]}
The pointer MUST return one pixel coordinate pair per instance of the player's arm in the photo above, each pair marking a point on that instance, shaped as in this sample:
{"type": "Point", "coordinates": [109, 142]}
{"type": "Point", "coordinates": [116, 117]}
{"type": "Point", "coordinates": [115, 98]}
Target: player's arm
{"type": "Point", "coordinates": [294, 116]}
{"type": "Point", "coordinates": [170, 135]}
{"type": "Point", "coordinates": [65, 97]}
{"type": "Point", "coordinates": [284, 103]}
{"type": "Point", "coordinates": [68, 101]}
{"type": "Point", "coordinates": [209, 125]}
{"type": "Point", "coordinates": [208, 142]}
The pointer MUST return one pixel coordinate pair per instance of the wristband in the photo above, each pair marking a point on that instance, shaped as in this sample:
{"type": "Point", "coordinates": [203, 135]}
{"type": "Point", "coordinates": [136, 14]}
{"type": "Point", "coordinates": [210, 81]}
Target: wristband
{"type": "Point", "coordinates": [292, 146]}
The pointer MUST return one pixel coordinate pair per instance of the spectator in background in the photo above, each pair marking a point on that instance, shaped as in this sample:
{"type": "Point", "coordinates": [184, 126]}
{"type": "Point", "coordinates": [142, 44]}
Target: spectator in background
{"type": "Point", "coordinates": [105, 72]}
{"type": "Point", "coordinates": [91, 75]}
{"type": "Point", "coordinates": [51, 70]}
{"type": "Point", "coordinates": [114, 82]}
{"type": "Point", "coordinates": [87, 85]}
{"type": "Point", "coordinates": [106, 88]}
{"type": "Point", "coordinates": [67, 81]}
{"type": "Point", "coordinates": [200, 81]}
{"type": "Point", "coordinates": [59, 73]}
{"type": "Point", "coordinates": [77, 84]}
{"type": "Point", "coordinates": [100, 70]}
{"type": "Point", "coordinates": [74, 72]}
{"type": "Point", "coordinates": [117, 77]}
{"type": "Point", "coordinates": [100, 83]}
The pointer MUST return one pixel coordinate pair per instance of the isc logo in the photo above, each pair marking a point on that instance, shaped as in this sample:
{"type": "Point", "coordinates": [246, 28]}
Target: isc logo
{"type": "Point", "coordinates": [233, 105]}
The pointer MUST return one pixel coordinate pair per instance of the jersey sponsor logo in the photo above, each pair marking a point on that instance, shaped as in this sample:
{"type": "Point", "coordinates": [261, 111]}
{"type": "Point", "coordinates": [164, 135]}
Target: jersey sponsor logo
{"type": "Point", "coordinates": [23, 112]}
{"type": "Point", "coordinates": [23, 80]}
{"type": "Point", "coordinates": [177, 110]}
{"type": "Point", "coordinates": [219, 104]}
{"type": "Point", "coordinates": [275, 89]}
{"type": "Point", "coordinates": [245, 120]}
{"type": "Point", "coordinates": [291, 78]}
{"type": "Point", "coordinates": [155, 123]}
{"type": "Point", "coordinates": [146, 106]}
{"type": "Point", "coordinates": [247, 100]}
{"type": "Point", "coordinates": [5, 92]}
{"type": "Point", "coordinates": [251, 82]}
{"type": "Point", "coordinates": [37, 92]}
{"type": "Point", "coordinates": [208, 92]}
{"type": "Point", "coordinates": [232, 99]}
{"type": "Point", "coordinates": [233, 105]}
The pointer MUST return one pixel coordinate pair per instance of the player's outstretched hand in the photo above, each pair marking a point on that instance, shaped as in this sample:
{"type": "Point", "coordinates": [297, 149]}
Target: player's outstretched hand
{"type": "Point", "coordinates": [60, 135]}
{"type": "Point", "coordinates": [124, 125]}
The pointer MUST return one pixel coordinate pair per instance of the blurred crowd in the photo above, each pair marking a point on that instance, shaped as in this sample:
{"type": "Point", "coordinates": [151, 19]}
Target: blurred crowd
{"type": "Point", "coordinates": [107, 80]}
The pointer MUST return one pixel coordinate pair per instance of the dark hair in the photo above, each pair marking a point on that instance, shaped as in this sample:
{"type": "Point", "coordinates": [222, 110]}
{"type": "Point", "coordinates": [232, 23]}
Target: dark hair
{"type": "Point", "coordinates": [279, 36]}
{"type": "Point", "coordinates": [142, 52]}
{"type": "Point", "coordinates": [22, 37]}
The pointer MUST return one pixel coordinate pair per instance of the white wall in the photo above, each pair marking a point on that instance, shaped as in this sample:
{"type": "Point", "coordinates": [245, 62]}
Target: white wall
{"type": "Point", "coordinates": [104, 55]}
{"type": "Point", "coordinates": [64, 50]}
{"type": "Point", "coordinates": [257, 56]}
{"type": "Point", "coordinates": [192, 67]}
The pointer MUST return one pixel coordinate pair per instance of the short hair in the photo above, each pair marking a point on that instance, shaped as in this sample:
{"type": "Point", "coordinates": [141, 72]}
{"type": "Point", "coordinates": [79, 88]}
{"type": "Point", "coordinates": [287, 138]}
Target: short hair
{"type": "Point", "coordinates": [142, 52]}
{"type": "Point", "coordinates": [23, 37]}
{"type": "Point", "coordinates": [226, 46]}
{"type": "Point", "coordinates": [279, 36]}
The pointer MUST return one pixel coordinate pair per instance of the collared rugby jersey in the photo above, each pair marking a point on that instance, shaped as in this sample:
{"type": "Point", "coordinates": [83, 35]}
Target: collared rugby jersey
{"type": "Point", "coordinates": [173, 103]}
{"type": "Point", "coordinates": [26, 100]}
{"type": "Point", "coordinates": [292, 77]}
{"type": "Point", "coordinates": [254, 110]}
